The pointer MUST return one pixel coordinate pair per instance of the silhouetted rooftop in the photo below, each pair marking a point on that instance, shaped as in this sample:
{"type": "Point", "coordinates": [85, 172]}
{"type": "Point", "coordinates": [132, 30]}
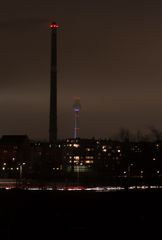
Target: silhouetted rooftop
{"type": "Point", "coordinates": [14, 139]}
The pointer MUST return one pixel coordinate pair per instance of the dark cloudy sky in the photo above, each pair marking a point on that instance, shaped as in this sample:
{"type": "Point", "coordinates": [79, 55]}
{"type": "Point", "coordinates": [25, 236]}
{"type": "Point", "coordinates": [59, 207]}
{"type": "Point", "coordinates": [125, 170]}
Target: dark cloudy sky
{"type": "Point", "coordinates": [109, 54]}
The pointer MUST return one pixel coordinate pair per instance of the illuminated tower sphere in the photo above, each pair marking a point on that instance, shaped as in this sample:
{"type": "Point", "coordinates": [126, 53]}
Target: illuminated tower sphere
{"type": "Point", "coordinates": [76, 108]}
{"type": "Point", "coordinates": [53, 85]}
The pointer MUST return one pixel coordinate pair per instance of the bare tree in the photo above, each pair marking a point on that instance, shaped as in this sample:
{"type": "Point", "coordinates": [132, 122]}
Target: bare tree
{"type": "Point", "coordinates": [155, 133]}
{"type": "Point", "coordinates": [124, 135]}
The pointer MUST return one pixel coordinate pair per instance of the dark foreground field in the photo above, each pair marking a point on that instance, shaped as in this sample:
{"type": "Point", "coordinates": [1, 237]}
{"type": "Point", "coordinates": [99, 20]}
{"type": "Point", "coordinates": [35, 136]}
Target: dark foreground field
{"type": "Point", "coordinates": [52, 215]}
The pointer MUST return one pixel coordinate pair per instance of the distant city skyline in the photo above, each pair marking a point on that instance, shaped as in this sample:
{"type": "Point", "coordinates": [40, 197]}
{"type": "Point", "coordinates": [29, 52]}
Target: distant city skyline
{"type": "Point", "coordinates": [109, 54]}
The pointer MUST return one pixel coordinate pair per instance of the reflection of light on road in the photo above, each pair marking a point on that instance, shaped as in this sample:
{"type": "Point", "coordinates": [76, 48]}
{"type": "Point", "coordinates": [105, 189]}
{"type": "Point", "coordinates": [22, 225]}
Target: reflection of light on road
{"type": "Point", "coordinates": [104, 189]}
{"type": "Point", "coordinates": [74, 189]}
{"type": "Point", "coordinates": [61, 187]}
{"type": "Point", "coordinates": [34, 188]}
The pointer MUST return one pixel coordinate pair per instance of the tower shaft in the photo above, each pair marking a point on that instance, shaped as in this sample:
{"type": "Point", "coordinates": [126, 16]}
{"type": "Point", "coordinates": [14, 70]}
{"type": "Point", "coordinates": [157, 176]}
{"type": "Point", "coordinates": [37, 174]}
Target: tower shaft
{"type": "Point", "coordinates": [76, 128]}
{"type": "Point", "coordinates": [76, 107]}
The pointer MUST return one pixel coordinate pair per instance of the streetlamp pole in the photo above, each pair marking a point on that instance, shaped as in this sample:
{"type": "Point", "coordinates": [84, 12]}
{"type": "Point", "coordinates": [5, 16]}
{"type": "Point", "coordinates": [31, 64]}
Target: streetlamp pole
{"type": "Point", "coordinates": [129, 173]}
{"type": "Point", "coordinates": [78, 174]}
{"type": "Point", "coordinates": [21, 169]}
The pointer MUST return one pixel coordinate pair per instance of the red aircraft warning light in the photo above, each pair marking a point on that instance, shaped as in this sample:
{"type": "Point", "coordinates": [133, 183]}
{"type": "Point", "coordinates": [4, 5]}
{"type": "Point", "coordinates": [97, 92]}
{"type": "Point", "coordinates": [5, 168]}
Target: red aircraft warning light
{"type": "Point", "coordinates": [54, 25]}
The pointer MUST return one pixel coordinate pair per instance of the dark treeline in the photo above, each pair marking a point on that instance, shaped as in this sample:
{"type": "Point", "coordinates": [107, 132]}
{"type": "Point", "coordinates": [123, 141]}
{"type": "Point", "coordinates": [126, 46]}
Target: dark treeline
{"type": "Point", "coordinates": [151, 134]}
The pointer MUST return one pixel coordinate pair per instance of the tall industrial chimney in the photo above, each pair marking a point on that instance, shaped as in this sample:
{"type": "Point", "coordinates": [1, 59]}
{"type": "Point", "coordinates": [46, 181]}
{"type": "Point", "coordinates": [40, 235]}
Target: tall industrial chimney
{"type": "Point", "coordinates": [53, 85]}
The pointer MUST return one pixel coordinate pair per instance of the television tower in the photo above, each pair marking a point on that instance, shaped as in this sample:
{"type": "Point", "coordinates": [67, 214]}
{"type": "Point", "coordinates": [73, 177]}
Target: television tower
{"type": "Point", "coordinates": [76, 108]}
{"type": "Point", "coordinates": [53, 85]}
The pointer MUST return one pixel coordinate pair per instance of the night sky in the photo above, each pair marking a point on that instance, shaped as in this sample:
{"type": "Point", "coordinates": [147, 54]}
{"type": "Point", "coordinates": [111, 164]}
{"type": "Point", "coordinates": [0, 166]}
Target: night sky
{"type": "Point", "coordinates": [109, 54]}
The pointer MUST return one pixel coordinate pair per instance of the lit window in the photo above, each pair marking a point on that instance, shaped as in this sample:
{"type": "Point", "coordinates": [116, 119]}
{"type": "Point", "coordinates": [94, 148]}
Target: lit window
{"type": "Point", "coordinates": [119, 150]}
{"type": "Point", "coordinates": [76, 145]}
{"type": "Point", "coordinates": [11, 168]}
{"type": "Point", "coordinates": [89, 161]}
{"type": "Point", "coordinates": [3, 168]}
{"type": "Point", "coordinates": [88, 149]}
{"type": "Point", "coordinates": [76, 157]}
{"type": "Point", "coordinates": [158, 171]}
{"type": "Point", "coordinates": [4, 164]}
{"type": "Point", "coordinates": [13, 159]}
{"type": "Point", "coordinates": [89, 157]}
{"type": "Point", "coordinates": [104, 150]}
{"type": "Point", "coordinates": [17, 168]}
